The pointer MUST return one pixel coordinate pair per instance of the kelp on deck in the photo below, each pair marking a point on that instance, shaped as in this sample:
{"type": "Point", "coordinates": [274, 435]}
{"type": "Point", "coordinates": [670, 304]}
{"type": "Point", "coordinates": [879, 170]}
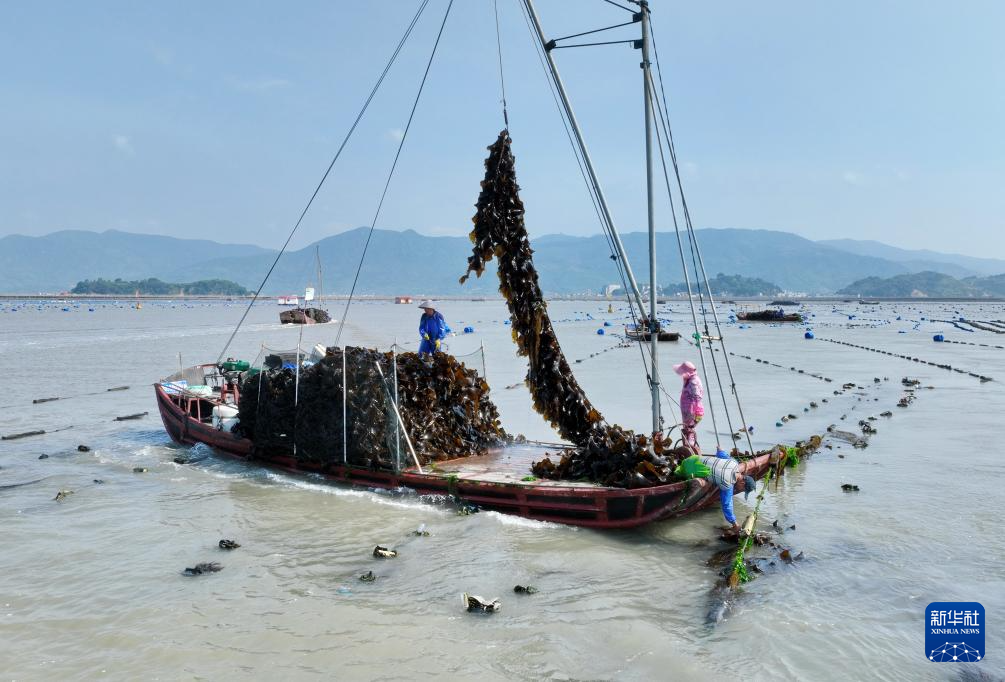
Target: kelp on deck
{"type": "Point", "coordinates": [444, 405]}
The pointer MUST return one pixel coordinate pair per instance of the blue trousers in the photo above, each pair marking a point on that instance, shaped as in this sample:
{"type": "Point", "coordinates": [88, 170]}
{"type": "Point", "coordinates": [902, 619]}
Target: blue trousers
{"type": "Point", "coordinates": [427, 347]}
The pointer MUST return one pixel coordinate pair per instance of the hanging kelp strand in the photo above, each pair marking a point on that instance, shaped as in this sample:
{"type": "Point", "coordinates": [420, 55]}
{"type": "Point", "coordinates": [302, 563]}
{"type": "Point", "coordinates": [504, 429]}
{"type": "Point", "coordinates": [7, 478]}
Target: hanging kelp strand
{"type": "Point", "coordinates": [500, 232]}
{"type": "Point", "coordinates": [604, 453]}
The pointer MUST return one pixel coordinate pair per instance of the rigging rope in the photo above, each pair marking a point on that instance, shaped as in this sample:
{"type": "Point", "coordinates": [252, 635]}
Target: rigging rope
{"type": "Point", "coordinates": [502, 80]}
{"type": "Point", "coordinates": [592, 190]}
{"type": "Point", "coordinates": [390, 175]}
{"type": "Point", "coordinates": [352, 128]}
{"type": "Point", "coordinates": [690, 228]}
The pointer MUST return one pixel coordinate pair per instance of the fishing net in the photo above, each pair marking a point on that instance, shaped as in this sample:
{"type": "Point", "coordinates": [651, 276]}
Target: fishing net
{"type": "Point", "coordinates": [444, 407]}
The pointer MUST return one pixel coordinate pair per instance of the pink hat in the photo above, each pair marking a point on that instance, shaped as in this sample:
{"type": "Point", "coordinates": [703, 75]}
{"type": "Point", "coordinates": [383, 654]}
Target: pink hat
{"type": "Point", "coordinates": [685, 367]}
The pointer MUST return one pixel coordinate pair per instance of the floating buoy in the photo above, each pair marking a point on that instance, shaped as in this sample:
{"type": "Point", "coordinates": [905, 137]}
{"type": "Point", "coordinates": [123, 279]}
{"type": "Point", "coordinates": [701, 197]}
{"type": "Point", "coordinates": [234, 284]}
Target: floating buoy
{"type": "Point", "coordinates": [469, 330]}
{"type": "Point", "coordinates": [808, 335]}
{"type": "Point", "coordinates": [600, 331]}
{"type": "Point", "coordinates": [607, 324]}
{"type": "Point", "coordinates": [938, 338]}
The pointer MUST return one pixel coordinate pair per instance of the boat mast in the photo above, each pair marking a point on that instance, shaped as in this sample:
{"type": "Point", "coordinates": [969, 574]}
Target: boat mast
{"type": "Point", "coordinates": [317, 255]}
{"type": "Point", "coordinates": [654, 326]}
{"type": "Point", "coordinates": [567, 105]}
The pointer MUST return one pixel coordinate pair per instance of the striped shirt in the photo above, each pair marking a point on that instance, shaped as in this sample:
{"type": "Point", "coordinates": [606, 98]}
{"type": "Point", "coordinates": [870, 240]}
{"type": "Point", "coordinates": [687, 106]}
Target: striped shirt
{"type": "Point", "coordinates": [724, 471]}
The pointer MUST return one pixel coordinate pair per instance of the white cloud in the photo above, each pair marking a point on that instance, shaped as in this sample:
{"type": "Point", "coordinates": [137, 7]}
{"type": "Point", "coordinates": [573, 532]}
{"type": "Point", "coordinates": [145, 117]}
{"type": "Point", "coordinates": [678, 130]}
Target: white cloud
{"type": "Point", "coordinates": [852, 178]}
{"type": "Point", "coordinates": [396, 134]}
{"type": "Point", "coordinates": [123, 144]}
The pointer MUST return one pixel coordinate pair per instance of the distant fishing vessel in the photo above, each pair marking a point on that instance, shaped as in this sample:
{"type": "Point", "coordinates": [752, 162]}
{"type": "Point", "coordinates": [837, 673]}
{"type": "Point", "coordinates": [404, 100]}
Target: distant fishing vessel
{"type": "Point", "coordinates": [306, 315]}
{"type": "Point", "coordinates": [769, 316]}
{"type": "Point", "coordinates": [640, 332]}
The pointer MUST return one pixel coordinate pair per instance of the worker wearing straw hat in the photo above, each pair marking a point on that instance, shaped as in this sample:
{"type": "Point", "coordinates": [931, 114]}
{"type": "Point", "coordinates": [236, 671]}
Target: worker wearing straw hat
{"type": "Point", "coordinates": [691, 407]}
{"type": "Point", "coordinates": [432, 329]}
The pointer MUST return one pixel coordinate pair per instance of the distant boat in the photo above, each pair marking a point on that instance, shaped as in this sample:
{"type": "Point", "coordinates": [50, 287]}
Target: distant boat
{"type": "Point", "coordinates": [769, 316]}
{"type": "Point", "coordinates": [640, 332]}
{"type": "Point", "coordinates": [288, 300]}
{"type": "Point", "coordinates": [306, 315]}
{"type": "Point", "coordinates": [403, 299]}
{"type": "Point", "coordinates": [783, 301]}
{"type": "Point", "coordinates": [862, 302]}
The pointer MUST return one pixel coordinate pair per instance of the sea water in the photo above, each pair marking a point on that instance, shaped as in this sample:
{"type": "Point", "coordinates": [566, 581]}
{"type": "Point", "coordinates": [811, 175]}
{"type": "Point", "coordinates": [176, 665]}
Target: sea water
{"type": "Point", "coordinates": [92, 586]}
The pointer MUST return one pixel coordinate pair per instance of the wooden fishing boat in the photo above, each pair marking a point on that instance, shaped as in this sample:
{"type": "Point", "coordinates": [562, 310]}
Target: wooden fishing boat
{"type": "Point", "coordinates": [769, 316]}
{"type": "Point", "coordinates": [493, 481]}
{"type": "Point", "coordinates": [634, 333]}
{"type": "Point", "coordinates": [304, 316]}
{"type": "Point", "coordinates": [203, 407]}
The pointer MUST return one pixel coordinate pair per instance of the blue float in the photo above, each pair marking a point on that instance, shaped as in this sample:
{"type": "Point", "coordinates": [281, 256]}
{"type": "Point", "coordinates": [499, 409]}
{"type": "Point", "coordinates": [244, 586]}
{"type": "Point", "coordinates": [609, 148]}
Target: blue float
{"type": "Point", "coordinates": [808, 335]}
{"type": "Point", "coordinates": [939, 338]}
{"type": "Point", "coordinates": [469, 330]}
{"type": "Point", "coordinates": [600, 331]}
{"type": "Point", "coordinates": [607, 324]}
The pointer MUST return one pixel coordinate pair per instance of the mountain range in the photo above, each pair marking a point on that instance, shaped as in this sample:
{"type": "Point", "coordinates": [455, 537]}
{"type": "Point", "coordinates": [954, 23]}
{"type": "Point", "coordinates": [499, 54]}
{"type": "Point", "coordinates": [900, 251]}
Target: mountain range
{"type": "Point", "coordinates": [410, 263]}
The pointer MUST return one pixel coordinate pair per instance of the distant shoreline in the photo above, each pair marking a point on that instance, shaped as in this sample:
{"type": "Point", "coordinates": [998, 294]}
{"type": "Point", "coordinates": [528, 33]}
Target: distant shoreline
{"type": "Point", "coordinates": [765, 300]}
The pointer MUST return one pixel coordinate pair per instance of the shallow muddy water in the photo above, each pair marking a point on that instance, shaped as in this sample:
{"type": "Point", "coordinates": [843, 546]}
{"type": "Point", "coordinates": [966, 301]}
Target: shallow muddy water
{"type": "Point", "coordinates": [91, 586]}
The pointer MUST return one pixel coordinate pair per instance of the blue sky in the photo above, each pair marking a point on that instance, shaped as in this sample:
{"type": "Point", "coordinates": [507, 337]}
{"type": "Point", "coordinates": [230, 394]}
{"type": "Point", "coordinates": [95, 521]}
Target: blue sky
{"type": "Point", "coordinates": [862, 119]}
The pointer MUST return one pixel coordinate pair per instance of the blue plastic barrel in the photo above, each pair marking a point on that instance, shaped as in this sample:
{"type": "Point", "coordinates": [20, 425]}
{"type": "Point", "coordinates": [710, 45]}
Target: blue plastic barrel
{"type": "Point", "coordinates": [939, 338]}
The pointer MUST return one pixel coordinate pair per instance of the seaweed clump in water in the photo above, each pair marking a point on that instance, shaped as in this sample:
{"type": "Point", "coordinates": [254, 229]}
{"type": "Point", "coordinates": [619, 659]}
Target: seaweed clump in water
{"type": "Point", "coordinates": [444, 405]}
{"type": "Point", "coordinates": [605, 454]}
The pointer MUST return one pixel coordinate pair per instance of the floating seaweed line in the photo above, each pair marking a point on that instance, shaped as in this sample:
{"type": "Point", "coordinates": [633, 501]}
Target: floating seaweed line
{"type": "Point", "coordinates": [910, 358]}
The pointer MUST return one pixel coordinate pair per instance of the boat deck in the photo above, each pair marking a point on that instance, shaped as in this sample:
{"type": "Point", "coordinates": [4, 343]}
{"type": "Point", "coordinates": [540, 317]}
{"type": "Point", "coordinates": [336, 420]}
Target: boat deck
{"type": "Point", "coordinates": [508, 465]}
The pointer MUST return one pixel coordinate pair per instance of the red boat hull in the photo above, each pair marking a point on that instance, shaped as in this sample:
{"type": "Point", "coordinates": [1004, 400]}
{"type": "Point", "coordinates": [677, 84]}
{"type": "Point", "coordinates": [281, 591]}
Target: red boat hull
{"type": "Point", "coordinates": [578, 504]}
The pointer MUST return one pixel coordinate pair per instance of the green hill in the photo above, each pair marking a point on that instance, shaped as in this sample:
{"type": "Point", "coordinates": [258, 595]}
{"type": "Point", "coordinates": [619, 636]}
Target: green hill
{"type": "Point", "coordinates": [155, 287]}
{"type": "Point", "coordinates": [730, 285]}
{"type": "Point", "coordinates": [919, 285]}
{"type": "Point", "coordinates": [993, 285]}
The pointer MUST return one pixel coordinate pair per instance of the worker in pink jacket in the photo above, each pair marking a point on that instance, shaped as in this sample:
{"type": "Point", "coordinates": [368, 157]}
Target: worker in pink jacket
{"type": "Point", "coordinates": [691, 408]}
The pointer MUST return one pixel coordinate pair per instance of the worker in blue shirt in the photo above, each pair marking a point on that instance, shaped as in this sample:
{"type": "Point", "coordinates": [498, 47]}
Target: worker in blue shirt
{"type": "Point", "coordinates": [432, 329]}
{"type": "Point", "coordinates": [724, 473]}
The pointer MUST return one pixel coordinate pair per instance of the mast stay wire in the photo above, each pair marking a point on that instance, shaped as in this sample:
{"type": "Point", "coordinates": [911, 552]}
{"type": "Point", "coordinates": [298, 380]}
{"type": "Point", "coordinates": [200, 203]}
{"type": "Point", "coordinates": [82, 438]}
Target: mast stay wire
{"type": "Point", "coordinates": [502, 80]}
{"type": "Point", "coordinates": [701, 299]}
{"type": "Point", "coordinates": [680, 248]}
{"type": "Point", "coordinates": [687, 281]}
{"type": "Point", "coordinates": [690, 228]}
{"type": "Point", "coordinates": [390, 174]}
{"type": "Point", "coordinates": [338, 153]}
{"type": "Point", "coordinates": [595, 201]}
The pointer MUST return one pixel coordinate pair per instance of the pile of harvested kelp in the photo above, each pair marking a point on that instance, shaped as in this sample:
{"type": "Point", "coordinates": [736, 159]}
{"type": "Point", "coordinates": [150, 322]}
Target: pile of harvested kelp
{"type": "Point", "coordinates": [604, 453]}
{"type": "Point", "coordinates": [444, 405]}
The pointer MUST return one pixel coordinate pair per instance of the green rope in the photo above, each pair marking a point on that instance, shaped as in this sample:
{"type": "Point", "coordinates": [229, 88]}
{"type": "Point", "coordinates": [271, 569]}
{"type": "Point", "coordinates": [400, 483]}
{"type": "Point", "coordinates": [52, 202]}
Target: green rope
{"type": "Point", "coordinates": [739, 567]}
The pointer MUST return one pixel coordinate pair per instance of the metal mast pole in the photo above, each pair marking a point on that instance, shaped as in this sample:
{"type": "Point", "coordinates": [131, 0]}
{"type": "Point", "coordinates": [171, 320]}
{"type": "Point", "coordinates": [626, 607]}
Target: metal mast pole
{"type": "Point", "coordinates": [567, 105]}
{"type": "Point", "coordinates": [654, 326]}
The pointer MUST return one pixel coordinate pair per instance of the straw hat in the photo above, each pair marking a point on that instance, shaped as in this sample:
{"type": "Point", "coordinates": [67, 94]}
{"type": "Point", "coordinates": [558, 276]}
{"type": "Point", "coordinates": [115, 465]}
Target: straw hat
{"type": "Point", "coordinates": [685, 367]}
